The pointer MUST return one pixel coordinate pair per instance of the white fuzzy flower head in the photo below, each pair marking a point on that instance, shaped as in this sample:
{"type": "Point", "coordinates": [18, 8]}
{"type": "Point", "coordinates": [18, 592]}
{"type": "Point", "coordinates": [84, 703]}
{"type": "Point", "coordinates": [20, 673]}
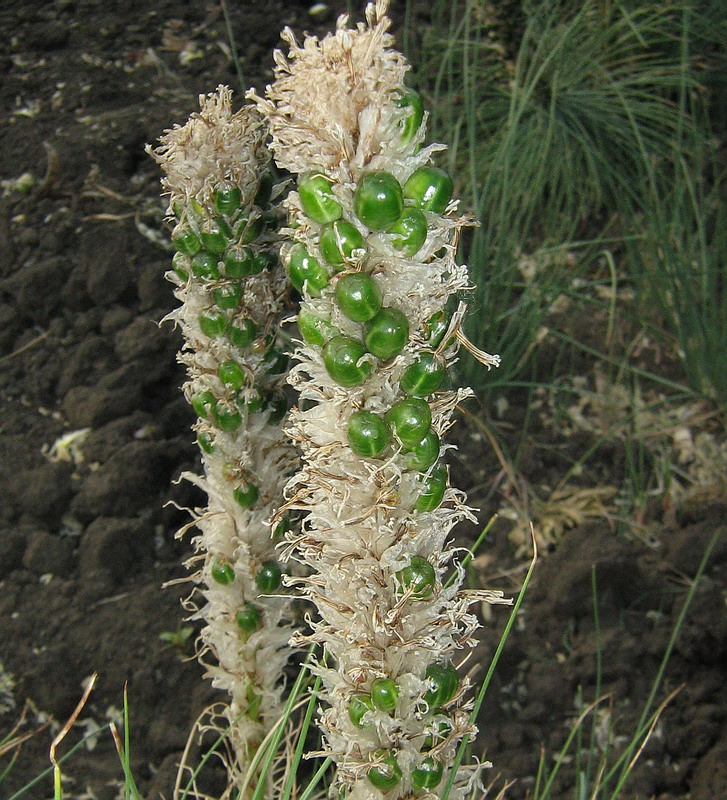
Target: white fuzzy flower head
{"type": "Point", "coordinates": [375, 232]}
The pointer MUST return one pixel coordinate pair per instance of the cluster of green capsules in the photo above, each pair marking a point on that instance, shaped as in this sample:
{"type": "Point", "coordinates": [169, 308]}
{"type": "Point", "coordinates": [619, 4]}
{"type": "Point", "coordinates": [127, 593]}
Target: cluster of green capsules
{"type": "Point", "coordinates": [218, 253]}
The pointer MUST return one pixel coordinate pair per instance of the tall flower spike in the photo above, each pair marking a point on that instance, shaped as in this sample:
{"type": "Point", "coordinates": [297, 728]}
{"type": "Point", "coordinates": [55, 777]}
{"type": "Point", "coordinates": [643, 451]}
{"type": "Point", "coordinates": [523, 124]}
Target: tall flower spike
{"type": "Point", "coordinates": [375, 233]}
{"type": "Point", "coordinates": [232, 291]}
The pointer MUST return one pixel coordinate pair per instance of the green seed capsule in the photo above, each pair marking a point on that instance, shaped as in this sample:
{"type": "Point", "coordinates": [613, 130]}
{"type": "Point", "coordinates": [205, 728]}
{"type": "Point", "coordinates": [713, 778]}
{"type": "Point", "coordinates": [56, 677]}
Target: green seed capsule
{"type": "Point", "coordinates": [423, 455]}
{"type": "Point", "coordinates": [305, 271]}
{"type": "Point", "coordinates": [227, 417]}
{"type": "Point", "coordinates": [442, 730]}
{"type": "Point", "coordinates": [227, 198]}
{"type": "Point", "coordinates": [432, 493]}
{"type": "Point", "coordinates": [429, 188]}
{"type": "Point", "coordinates": [428, 775]}
{"type": "Point", "coordinates": [435, 328]}
{"type": "Point", "coordinates": [246, 494]}
{"type": "Point", "coordinates": [411, 100]}
{"type": "Point", "coordinates": [385, 694]}
{"type": "Point", "coordinates": [231, 374]}
{"type": "Point", "coordinates": [227, 296]}
{"type": "Point", "coordinates": [239, 262]}
{"type": "Point", "coordinates": [249, 228]}
{"type": "Point", "coordinates": [254, 401]}
{"type": "Point", "coordinates": [222, 572]}
{"type": "Point", "coordinates": [204, 266]}
{"type": "Point", "coordinates": [264, 190]}
{"type": "Point", "coordinates": [423, 376]}
{"type": "Point", "coordinates": [386, 774]}
{"type": "Point", "coordinates": [204, 404]}
{"type": "Point", "coordinates": [215, 235]}
{"type": "Point", "coordinates": [445, 680]}
{"type": "Point", "coordinates": [358, 296]}
{"type": "Point", "coordinates": [378, 200]}
{"type": "Point", "coordinates": [410, 420]}
{"type": "Point", "coordinates": [248, 618]}
{"type": "Point", "coordinates": [212, 323]}
{"type": "Point", "coordinates": [206, 443]}
{"type": "Point", "coordinates": [368, 435]}
{"type": "Point", "coordinates": [409, 232]}
{"type": "Point", "coordinates": [419, 577]}
{"type": "Point", "coordinates": [360, 704]}
{"type": "Point", "coordinates": [186, 241]}
{"type": "Point", "coordinates": [265, 259]}
{"type": "Point", "coordinates": [181, 264]}
{"type": "Point", "coordinates": [341, 357]}
{"type": "Point", "coordinates": [314, 330]}
{"type": "Point", "coordinates": [341, 242]}
{"type": "Point", "coordinates": [318, 200]}
{"type": "Point", "coordinates": [386, 334]}
{"type": "Point", "coordinates": [269, 577]}
{"type": "Point", "coordinates": [242, 333]}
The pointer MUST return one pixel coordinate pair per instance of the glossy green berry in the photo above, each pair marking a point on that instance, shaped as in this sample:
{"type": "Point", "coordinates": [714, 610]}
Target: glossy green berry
{"type": "Point", "coordinates": [358, 296]}
{"type": "Point", "coordinates": [206, 443]}
{"type": "Point", "coordinates": [212, 323]}
{"type": "Point", "coordinates": [423, 376]}
{"type": "Point", "coordinates": [318, 200]}
{"type": "Point", "coordinates": [265, 259]}
{"type": "Point", "coordinates": [306, 271]}
{"type": "Point", "coordinates": [441, 730]}
{"type": "Point", "coordinates": [268, 578]}
{"type": "Point", "coordinates": [246, 494]}
{"type": "Point", "coordinates": [378, 200]}
{"type": "Point", "coordinates": [385, 694]}
{"type": "Point", "coordinates": [435, 328]}
{"type": "Point", "coordinates": [264, 190]}
{"type": "Point", "coordinates": [204, 404]}
{"type": "Point", "coordinates": [368, 435]}
{"type": "Point", "coordinates": [186, 240]}
{"type": "Point", "coordinates": [341, 357]}
{"type": "Point", "coordinates": [432, 493]}
{"type": "Point", "coordinates": [227, 417]}
{"type": "Point", "coordinates": [409, 232]}
{"type": "Point", "coordinates": [444, 680]}
{"type": "Point", "coordinates": [423, 455]}
{"type": "Point", "coordinates": [386, 334]}
{"type": "Point", "coordinates": [223, 572]}
{"type": "Point", "coordinates": [248, 228]}
{"type": "Point", "coordinates": [204, 266]}
{"type": "Point", "coordinates": [248, 618]}
{"type": "Point", "coordinates": [418, 577]}
{"type": "Point", "coordinates": [360, 704]}
{"type": "Point", "coordinates": [410, 420]}
{"type": "Point", "coordinates": [242, 332]}
{"type": "Point", "coordinates": [181, 264]}
{"type": "Point", "coordinates": [227, 198]}
{"type": "Point", "coordinates": [215, 235]}
{"type": "Point", "coordinates": [231, 374]}
{"type": "Point", "coordinates": [429, 188]}
{"type": "Point", "coordinates": [341, 242]}
{"type": "Point", "coordinates": [428, 775]}
{"type": "Point", "coordinates": [409, 99]}
{"type": "Point", "coordinates": [227, 296]}
{"type": "Point", "coordinates": [313, 329]}
{"type": "Point", "coordinates": [238, 262]}
{"type": "Point", "coordinates": [386, 774]}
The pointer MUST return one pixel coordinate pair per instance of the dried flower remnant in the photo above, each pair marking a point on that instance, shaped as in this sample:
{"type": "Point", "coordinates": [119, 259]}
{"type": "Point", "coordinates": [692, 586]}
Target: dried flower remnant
{"type": "Point", "coordinates": [375, 231]}
{"type": "Point", "coordinates": [232, 291]}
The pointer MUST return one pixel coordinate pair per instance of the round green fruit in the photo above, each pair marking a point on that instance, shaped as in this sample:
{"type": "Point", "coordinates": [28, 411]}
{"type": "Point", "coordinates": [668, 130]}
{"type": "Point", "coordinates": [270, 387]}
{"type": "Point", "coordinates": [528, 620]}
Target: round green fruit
{"type": "Point", "coordinates": [246, 494]}
{"type": "Point", "coordinates": [248, 618]}
{"type": "Point", "coordinates": [360, 704]}
{"type": "Point", "coordinates": [358, 296]}
{"type": "Point", "coordinates": [429, 188]}
{"type": "Point", "coordinates": [386, 774]}
{"type": "Point", "coordinates": [242, 332]}
{"type": "Point", "coordinates": [204, 266]}
{"type": "Point", "coordinates": [444, 680]}
{"type": "Point", "coordinates": [227, 198]}
{"type": "Point", "coordinates": [239, 262]}
{"type": "Point", "coordinates": [268, 579]}
{"type": "Point", "coordinates": [314, 330]}
{"type": "Point", "coordinates": [425, 454]}
{"type": "Point", "coordinates": [424, 376]}
{"type": "Point", "coordinates": [368, 435]}
{"type": "Point", "coordinates": [386, 334]}
{"type": "Point", "coordinates": [419, 577]}
{"type": "Point", "coordinates": [223, 572]}
{"type": "Point", "coordinates": [428, 775]}
{"type": "Point", "coordinates": [215, 235]}
{"type": "Point", "coordinates": [342, 358]}
{"type": "Point", "coordinates": [227, 296]}
{"type": "Point", "coordinates": [231, 374]}
{"type": "Point", "coordinates": [409, 232]}
{"type": "Point", "coordinates": [385, 694]}
{"type": "Point", "coordinates": [227, 417]}
{"type": "Point", "coordinates": [339, 241]}
{"type": "Point", "coordinates": [317, 199]}
{"type": "Point", "coordinates": [212, 323]}
{"type": "Point", "coordinates": [410, 420]}
{"type": "Point", "coordinates": [204, 404]}
{"type": "Point", "coordinates": [305, 272]}
{"type": "Point", "coordinates": [206, 443]}
{"type": "Point", "coordinates": [378, 200]}
{"type": "Point", "coordinates": [409, 99]}
{"type": "Point", "coordinates": [186, 240]}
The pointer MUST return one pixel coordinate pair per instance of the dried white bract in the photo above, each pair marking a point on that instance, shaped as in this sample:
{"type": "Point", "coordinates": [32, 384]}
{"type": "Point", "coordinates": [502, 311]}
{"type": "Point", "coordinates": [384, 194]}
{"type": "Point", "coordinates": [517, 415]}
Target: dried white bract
{"type": "Point", "coordinates": [232, 292]}
{"type": "Point", "coordinates": [375, 232]}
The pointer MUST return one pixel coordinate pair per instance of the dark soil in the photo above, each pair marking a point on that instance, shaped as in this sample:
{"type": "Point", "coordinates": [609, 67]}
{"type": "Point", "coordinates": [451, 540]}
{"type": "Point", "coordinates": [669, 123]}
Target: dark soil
{"type": "Point", "coordinates": [85, 547]}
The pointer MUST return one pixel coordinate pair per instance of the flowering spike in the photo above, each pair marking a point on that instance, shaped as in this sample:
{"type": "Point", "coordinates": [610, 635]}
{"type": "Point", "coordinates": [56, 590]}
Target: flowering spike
{"type": "Point", "coordinates": [373, 486]}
